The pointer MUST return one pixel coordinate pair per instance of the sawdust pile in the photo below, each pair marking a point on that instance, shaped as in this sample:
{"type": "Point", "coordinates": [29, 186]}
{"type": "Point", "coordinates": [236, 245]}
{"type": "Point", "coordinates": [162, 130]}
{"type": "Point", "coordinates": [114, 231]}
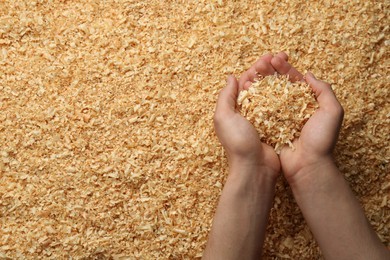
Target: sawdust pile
{"type": "Point", "coordinates": [277, 108]}
{"type": "Point", "coordinates": [107, 146]}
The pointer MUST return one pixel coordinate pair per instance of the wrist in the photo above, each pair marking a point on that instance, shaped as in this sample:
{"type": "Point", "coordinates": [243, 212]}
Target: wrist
{"type": "Point", "coordinates": [247, 168]}
{"type": "Point", "coordinates": [314, 171]}
{"type": "Point", "coordinates": [251, 179]}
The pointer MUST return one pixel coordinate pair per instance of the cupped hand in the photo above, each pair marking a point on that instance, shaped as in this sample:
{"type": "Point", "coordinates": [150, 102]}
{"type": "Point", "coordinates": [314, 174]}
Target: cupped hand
{"type": "Point", "coordinates": [237, 135]}
{"type": "Point", "coordinates": [319, 135]}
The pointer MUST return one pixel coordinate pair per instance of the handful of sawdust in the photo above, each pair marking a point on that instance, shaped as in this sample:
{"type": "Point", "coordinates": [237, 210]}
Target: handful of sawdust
{"type": "Point", "coordinates": [277, 108]}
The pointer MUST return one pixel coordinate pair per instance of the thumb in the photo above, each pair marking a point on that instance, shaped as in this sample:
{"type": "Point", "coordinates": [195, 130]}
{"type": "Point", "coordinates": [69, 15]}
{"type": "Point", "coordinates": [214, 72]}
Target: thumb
{"type": "Point", "coordinates": [323, 92]}
{"type": "Point", "coordinates": [227, 98]}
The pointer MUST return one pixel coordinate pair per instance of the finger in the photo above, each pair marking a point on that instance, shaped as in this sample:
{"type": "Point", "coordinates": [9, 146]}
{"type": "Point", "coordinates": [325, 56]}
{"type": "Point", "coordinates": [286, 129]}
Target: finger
{"type": "Point", "coordinates": [267, 57]}
{"type": "Point", "coordinates": [247, 76]}
{"type": "Point", "coordinates": [285, 68]}
{"type": "Point", "coordinates": [247, 85]}
{"type": "Point", "coordinates": [264, 67]}
{"type": "Point", "coordinates": [261, 67]}
{"type": "Point", "coordinates": [227, 98]}
{"type": "Point", "coordinates": [282, 55]}
{"type": "Point", "coordinates": [324, 93]}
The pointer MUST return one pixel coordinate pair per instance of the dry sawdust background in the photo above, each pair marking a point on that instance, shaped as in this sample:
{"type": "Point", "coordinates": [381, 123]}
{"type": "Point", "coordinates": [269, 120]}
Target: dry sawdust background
{"type": "Point", "coordinates": [107, 146]}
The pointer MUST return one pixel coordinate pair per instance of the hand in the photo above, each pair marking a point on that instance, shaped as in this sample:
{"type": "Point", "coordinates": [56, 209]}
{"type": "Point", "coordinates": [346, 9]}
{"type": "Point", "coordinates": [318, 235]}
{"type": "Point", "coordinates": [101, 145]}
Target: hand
{"type": "Point", "coordinates": [240, 220]}
{"type": "Point", "coordinates": [318, 137]}
{"type": "Point", "coordinates": [237, 135]}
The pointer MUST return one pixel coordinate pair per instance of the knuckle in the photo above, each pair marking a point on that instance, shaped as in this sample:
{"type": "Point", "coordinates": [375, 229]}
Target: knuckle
{"type": "Point", "coordinates": [262, 67]}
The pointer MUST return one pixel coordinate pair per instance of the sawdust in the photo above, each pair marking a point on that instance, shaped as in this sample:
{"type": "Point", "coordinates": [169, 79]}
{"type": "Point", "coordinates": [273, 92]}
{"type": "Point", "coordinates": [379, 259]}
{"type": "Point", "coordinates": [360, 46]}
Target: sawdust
{"type": "Point", "coordinates": [107, 147]}
{"type": "Point", "coordinates": [278, 109]}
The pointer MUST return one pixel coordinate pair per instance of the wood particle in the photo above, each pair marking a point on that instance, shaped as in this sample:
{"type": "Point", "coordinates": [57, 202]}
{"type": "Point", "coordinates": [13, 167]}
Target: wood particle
{"type": "Point", "coordinates": [107, 146]}
{"type": "Point", "coordinates": [277, 108]}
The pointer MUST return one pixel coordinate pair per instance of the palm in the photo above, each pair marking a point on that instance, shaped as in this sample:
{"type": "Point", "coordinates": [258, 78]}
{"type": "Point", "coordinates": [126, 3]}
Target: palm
{"type": "Point", "coordinates": [239, 138]}
{"type": "Point", "coordinates": [246, 141]}
{"type": "Point", "coordinates": [314, 141]}
{"type": "Point", "coordinates": [241, 141]}
{"type": "Point", "coordinates": [319, 135]}
{"type": "Point", "coordinates": [315, 135]}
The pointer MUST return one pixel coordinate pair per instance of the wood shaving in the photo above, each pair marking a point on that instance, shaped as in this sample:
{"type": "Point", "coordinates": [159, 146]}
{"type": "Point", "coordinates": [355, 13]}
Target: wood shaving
{"type": "Point", "coordinates": [107, 146]}
{"type": "Point", "coordinates": [277, 108]}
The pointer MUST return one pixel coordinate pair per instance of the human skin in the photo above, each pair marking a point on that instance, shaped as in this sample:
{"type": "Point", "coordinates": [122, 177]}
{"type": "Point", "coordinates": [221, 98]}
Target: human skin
{"type": "Point", "coordinates": [328, 204]}
{"type": "Point", "coordinates": [241, 217]}
{"type": "Point", "coordinates": [324, 197]}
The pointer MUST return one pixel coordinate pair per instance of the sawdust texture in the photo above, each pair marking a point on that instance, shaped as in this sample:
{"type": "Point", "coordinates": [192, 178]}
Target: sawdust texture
{"type": "Point", "coordinates": [277, 108]}
{"type": "Point", "coordinates": [107, 146]}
